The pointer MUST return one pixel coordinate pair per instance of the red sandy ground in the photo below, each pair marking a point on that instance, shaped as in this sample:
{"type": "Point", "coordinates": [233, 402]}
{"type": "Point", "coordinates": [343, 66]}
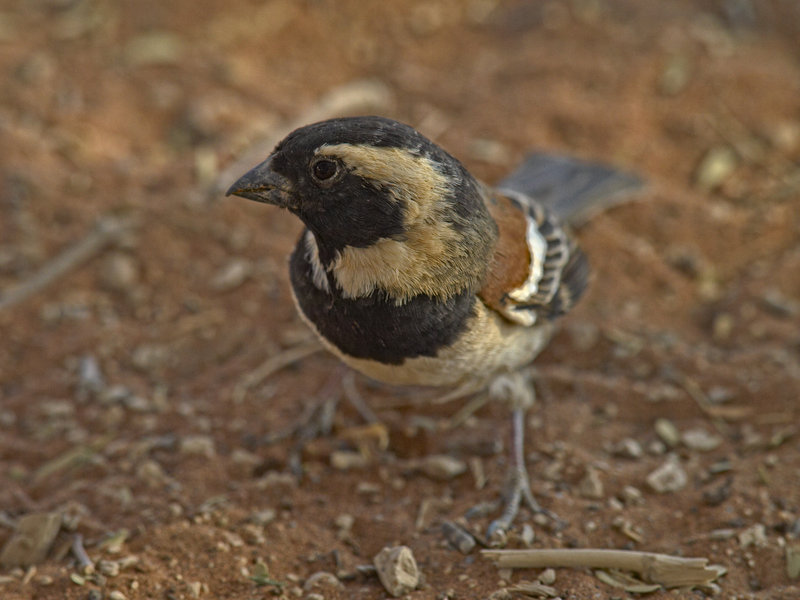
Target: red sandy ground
{"type": "Point", "coordinates": [694, 300]}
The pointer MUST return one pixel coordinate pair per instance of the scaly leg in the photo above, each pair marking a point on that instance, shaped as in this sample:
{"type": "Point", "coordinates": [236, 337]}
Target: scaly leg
{"type": "Point", "coordinates": [520, 394]}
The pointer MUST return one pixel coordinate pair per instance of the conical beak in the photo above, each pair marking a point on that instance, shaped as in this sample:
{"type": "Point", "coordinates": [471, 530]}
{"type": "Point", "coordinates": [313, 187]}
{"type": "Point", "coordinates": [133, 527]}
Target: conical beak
{"type": "Point", "coordinates": [262, 184]}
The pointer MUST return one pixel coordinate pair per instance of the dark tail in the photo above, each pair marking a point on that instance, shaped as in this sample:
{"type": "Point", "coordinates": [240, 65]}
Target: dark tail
{"type": "Point", "coordinates": [573, 189]}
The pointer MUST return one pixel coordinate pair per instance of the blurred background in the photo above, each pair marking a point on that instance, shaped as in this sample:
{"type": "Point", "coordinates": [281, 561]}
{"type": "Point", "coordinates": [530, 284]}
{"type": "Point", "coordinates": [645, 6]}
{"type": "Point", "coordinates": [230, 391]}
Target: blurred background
{"type": "Point", "coordinates": [142, 314]}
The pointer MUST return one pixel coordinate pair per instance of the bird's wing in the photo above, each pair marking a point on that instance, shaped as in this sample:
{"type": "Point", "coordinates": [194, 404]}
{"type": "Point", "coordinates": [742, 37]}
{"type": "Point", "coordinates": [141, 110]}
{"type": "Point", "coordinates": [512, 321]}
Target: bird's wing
{"type": "Point", "coordinates": [537, 270]}
{"type": "Point", "coordinates": [572, 189]}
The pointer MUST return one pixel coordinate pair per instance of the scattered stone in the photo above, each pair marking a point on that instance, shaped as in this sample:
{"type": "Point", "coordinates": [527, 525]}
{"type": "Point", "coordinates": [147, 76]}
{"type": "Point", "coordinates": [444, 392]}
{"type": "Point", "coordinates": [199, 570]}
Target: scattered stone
{"type": "Point", "coordinates": [119, 272]}
{"type": "Point", "coordinates": [547, 577]}
{"type": "Point", "coordinates": [667, 432]}
{"type": "Point", "coordinates": [152, 473]}
{"type": "Point", "coordinates": [591, 486]}
{"type": "Point", "coordinates": [786, 135]}
{"type": "Point", "coordinates": [779, 305]}
{"type": "Point", "coordinates": [458, 537]}
{"type": "Point", "coordinates": [108, 568]}
{"type": "Point", "coordinates": [754, 536]}
{"type": "Point", "coordinates": [149, 356]}
{"type": "Point", "coordinates": [490, 151]}
{"type": "Point", "coordinates": [323, 580]}
{"type": "Point", "coordinates": [345, 460]}
{"type": "Point", "coordinates": [240, 456]}
{"type": "Point", "coordinates": [397, 570]}
{"type": "Point", "coordinates": [669, 477]}
{"type": "Point", "coordinates": [632, 496]}
{"type": "Point", "coordinates": [628, 448]}
{"type": "Point", "coordinates": [722, 326]}
{"type": "Point", "coordinates": [528, 535]}
{"type": "Point", "coordinates": [700, 439]}
{"type": "Point", "coordinates": [232, 275]}
{"type": "Point", "coordinates": [441, 467]}
{"type": "Point", "coordinates": [155, 48]}
{"type": "Point", "coordinates": [276, 479]}
{"type": "Point", "coordinates": [263, 517]}
{"type": "Point", "coordinates": [116, 595]}
{"type": "Point", "coordinates": [198, 444]}
{"type": "Point", "coordinates": [715, 167]}
{"type": "Point", "coordinates": [718, 394]}
{"type": "Point", "coordinates": [344, 522]}
{"type": "Point", "coordinates": [206, 166]}
{"type": "Point", "coordinates": [90, 376]}
{"type": "Point", "coordinates": [675, 76]}
{"type": "Point", "coordinates": [719, 535]}
{"type": "Point", "coordinates": [32, 540]}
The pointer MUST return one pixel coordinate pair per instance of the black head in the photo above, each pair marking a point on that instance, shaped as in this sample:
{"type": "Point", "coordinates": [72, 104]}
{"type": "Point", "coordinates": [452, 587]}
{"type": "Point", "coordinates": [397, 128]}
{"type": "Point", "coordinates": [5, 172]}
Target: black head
{"type": "Point", "coordinates": [354, 181]}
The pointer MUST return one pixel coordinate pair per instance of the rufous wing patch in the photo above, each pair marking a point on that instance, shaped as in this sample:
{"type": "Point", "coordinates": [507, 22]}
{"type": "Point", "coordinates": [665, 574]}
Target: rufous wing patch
{"type": "Point", "coordinates": [510, 265]}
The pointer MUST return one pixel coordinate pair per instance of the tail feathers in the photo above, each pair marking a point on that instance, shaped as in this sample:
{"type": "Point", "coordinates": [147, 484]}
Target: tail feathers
{"type": "Point", "coordinates": [573, 189]}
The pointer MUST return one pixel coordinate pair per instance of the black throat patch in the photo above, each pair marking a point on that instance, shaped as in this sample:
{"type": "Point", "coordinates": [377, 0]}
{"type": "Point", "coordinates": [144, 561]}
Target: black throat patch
{"type": "Point", "coordinates": [375, 327]}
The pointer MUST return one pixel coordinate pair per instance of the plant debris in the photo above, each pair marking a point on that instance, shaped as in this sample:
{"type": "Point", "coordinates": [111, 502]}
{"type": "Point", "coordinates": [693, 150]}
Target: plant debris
{"type": "Point", "coordinates": [662, 569]}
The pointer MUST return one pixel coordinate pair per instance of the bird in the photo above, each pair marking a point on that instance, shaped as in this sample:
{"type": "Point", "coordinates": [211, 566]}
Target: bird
{"type": "Point", "coordinates": [414, 272]}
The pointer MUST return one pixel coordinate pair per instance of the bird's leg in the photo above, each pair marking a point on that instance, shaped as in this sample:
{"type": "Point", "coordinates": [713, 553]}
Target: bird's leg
{"type": "Point", "coordinates": [514, 389]}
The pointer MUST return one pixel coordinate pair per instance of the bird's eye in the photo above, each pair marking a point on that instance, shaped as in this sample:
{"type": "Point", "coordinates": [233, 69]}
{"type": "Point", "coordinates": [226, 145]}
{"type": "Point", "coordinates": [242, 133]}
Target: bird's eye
{"type": "Point", "coordinates": [324, 169]}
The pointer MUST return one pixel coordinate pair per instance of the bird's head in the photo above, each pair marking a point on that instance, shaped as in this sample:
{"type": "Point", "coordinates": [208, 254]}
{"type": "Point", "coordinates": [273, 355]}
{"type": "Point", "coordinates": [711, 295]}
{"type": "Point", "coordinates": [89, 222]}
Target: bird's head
{"type": "Point", "coordinates": [379, 198]}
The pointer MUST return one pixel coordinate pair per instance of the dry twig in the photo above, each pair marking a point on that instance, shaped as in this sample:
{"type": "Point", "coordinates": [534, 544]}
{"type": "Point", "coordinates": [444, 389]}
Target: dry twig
{"type": "Point", "coordinates": [275, 363]}
{"type": "Point", "coordinates": [107, 230]}
{"type": "Point", "coordinates": [666, 570]}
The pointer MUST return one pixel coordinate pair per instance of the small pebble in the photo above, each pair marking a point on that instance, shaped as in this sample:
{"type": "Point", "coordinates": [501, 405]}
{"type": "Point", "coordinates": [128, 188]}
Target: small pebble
{"type": "Point", "coordinates": [116, 595]}
{"type": "Point", "coordinates": [195, 589]}
{"type": "Point", "coordinates": [591, 486]}
{"type": "Point", "coordinates": [90, 376]}
{"type": "Point", "coordinates": [722, 326]}
{"type": "Point", "coordinates": [669, 434]}
{"type": "Point", "coordinates": [232, 275]}
{"type": "Point", "coordinates": [344, 521]}
{"type": "Point", "coordinates": [397, 570]}
{"type": "Point", "coordinates": [153, 48]}
{"type": "Point", "coordinates": [715, 167]}
{"type": "Point", "coordinates": [262, 517]}
{"type": "Point", "coordinates": [632, 496]}
{"type": "Point", "coordinates": [344, 460]}
{"type": "Point", "coordinates": [442, 467]}
{"type": "Point", "coordinates": [458, 537]}
{"type": "Point", "coordinates": [32, 539]}
{"type": "Point", "coordinates": [322, 579]}
{"type": "Point", "coordinates": [119, 272]}
{"type": "Point", "coordinates": [669, 477]}
{"type": "Point", "coordinates": [628, 448]}
{"type": "Point", "coordinates": [109, 568]}
{"type": "Point", "coordinates": [700, 439]}
{"type": "Point", "coordinates": [528, 535]}
{"type": "Point", "coordinates": [547, 577]}
{"type": "Point", "coordinates": [754, 536]}
{"type": "Point", "coordinates": [198, 444]}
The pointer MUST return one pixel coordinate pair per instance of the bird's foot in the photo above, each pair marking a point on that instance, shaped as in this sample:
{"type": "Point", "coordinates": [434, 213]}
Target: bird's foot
{"type": "Point", "coordinates": [518, 492]}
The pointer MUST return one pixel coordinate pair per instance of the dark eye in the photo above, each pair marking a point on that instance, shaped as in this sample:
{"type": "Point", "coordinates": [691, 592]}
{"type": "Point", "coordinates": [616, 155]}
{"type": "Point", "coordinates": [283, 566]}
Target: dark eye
{"type": "Point", "coordinates": [324, 169]}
